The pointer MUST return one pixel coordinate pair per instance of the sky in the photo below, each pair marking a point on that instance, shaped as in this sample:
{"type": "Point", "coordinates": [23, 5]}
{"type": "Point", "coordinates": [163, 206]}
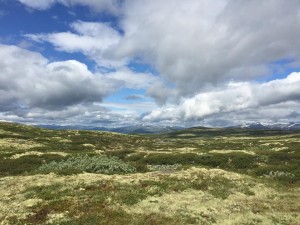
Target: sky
{"type": "Point", "coordinates": [112, 63]}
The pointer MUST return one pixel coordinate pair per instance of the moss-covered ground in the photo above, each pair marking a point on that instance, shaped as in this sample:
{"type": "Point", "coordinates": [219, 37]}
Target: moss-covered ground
{"type": "Point", "coordinates": [194, 176]}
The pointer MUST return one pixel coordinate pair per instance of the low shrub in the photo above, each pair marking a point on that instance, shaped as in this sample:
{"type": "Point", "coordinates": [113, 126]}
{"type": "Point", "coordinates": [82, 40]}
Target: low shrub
{"type": "Point", "coordinates": [135, 157]}
{"type": "Point", "coordinates": [279, 174]}
{"type": "Point", "coordinates": [185, 159]}
{"type": "Point", "coordinates": [140, 167]}
{"type": "Point", "coordinates": [242, 161]}
{"type": "Point", "coordinates": [120, 153]}
{"type": "Point", "coordinates": [286, 174]}
{"type": "Point", "coordinates": [170, 159]}
{"type": "Point", "coordinates": [85, 163]}
{"type": "Point", "coordinates": [25, 164]}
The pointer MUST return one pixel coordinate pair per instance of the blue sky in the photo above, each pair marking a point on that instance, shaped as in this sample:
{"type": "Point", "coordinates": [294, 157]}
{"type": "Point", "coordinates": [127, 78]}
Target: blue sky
{"type": "Point", "coordinates": [121, 62]}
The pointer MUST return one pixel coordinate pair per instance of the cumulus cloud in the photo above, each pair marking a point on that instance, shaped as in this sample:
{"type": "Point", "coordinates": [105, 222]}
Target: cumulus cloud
{"type": "Point", "coordinates": [208, 54]}
{"type": "Point", "coordinates": [234, 97]}
{"type": "Point", "coordinates": [195, 44]}
{"type": "Point", "coordinates": [34, 89]}
{"type": "Point", "coordinates": [28, 78]}
{"type": "Point", "coordinates": [90, 38]}
{"type": "Point", "coordinates": [277, 113]}
{"type": "Point", "coordinates": [111, 6]}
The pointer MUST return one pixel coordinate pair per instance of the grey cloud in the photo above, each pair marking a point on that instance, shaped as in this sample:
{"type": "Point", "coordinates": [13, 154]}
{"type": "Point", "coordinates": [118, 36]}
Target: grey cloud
{"type": "Point", "coordinates": [81, 114]}
{"type": "Point", "coordinates": [233, 98]}
{"type": "Point", "coordinates": [132, 79]}
{"type": "Point", "coordinates": [34, 90]}
{"type": "Point", "coordinates": [278, 113]}
{"type": "Point", "coordinates": [208, 54]}
{"type": "Point", "coordinates": [294, 115]}
{"type": "Point", "coordinates": [28, 79]}
{"type": "Point", "coordinates": [134, 97]}
{"type": "Point", "coordinates": [161, 93]}
{"type": "Point", "coordinates": [196, 43]}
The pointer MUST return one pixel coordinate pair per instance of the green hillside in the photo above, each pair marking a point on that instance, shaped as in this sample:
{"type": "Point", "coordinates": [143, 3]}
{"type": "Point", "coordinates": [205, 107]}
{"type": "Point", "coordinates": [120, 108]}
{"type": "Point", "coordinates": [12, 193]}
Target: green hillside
{"type": "Point", "coordinates": [194, 176]}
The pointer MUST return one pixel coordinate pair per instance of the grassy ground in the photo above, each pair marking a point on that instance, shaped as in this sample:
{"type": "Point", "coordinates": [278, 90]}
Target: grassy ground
{"type": "Point", "coordinates": [196, 176]}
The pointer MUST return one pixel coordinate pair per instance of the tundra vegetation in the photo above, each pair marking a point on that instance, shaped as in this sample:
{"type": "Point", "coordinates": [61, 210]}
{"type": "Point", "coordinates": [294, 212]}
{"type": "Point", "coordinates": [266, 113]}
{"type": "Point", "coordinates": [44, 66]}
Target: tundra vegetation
{"type": "Point", "coordinates": [194, 176]}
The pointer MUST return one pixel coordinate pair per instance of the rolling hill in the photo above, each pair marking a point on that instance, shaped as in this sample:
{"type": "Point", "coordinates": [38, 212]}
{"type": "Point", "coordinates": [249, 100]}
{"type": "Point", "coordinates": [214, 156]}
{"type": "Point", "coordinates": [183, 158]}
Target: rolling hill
{"type": "Point", "coordinates": [193, 176]}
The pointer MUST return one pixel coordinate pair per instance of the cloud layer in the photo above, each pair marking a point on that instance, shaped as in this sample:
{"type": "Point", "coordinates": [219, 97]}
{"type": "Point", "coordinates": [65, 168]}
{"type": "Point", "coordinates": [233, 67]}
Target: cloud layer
{"type": "Point", "coordinates": [209, 57]}
{"type": "Point", "coordinates": [193, 44]}
{"type": "Point", "coordinates": [196, 44]}
{"type": "Point", "coordinates": [32, 87]}
{"type": "Point", "coordinates": [236, 97]}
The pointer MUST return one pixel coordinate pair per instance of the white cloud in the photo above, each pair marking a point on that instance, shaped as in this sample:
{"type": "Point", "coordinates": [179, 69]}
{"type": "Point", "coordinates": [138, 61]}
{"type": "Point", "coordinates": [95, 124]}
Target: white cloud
{"type": "Point", "coordinates": [27, 78]}
{"type": "Point", "coordinates": [133, 80]}
{"type": "Point", "coordinates": [193, 44]}
{"type": "Point", "coordinates": [81, 114]}
{"type": "Point", "coordinates": [201, 42]}
{"type": "Point", "coordinates": [91, 38]}
{"type": "Point", "coordinates": [233, 98]}
{"type": "Point", "coordinates": [40, 5]}
{"type": "Point", "coordinates": [280, 90]}
{"type": "Point", "coordinates": [34, 89]}
{"type": "Point", "coordinates": [208, 54]}
{"type": "Point", "coordinates": [277, 113]}
{"type": "Point", "coordinates": [98, 5]}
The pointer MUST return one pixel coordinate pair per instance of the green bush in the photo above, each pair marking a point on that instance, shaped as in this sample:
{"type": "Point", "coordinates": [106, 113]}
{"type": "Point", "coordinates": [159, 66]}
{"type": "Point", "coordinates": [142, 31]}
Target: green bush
{"type": "Point", "coordinates": [242, 161]}
{"type": "Point", "coordinates": [28, 163]}
{"type": "Point", "coordinates": [185, 159]}
{"type": "Point", "coordinates": [121, 154]}
{"type": "Point", "coordinates": [216, 160]}
{"type": "Point", "coordinates": [140, 167]}
{"type": "Point", "coordinates": [85, 163]}
{"type": "Point", "coordinates": [170, 159]}
{"type": "Point", "coordinates": [282, 173]}
{"type": "Point", "coordinates": [135, 157]}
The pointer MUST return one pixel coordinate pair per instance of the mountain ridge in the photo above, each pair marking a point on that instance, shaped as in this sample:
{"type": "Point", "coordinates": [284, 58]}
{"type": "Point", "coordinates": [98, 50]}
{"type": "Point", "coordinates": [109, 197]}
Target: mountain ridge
{"type": "Point", "coordinates": [269, 126]}
{"type": "Point", "coordinates": [133, 129]}
{"type": "Point", "coordinates": [153, 129]}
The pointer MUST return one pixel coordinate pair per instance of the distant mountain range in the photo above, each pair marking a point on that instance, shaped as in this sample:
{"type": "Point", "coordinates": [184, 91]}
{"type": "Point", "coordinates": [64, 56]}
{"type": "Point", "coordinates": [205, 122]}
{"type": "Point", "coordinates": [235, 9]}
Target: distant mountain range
{"type": "Point", "coordinates": [152, 129]}
{"type": "Point", "coordinates": [147, 129]}
{"type": "Point", "coordinates": [266, 126]}
{"type": "Point", "coordinates": [134, 129]}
